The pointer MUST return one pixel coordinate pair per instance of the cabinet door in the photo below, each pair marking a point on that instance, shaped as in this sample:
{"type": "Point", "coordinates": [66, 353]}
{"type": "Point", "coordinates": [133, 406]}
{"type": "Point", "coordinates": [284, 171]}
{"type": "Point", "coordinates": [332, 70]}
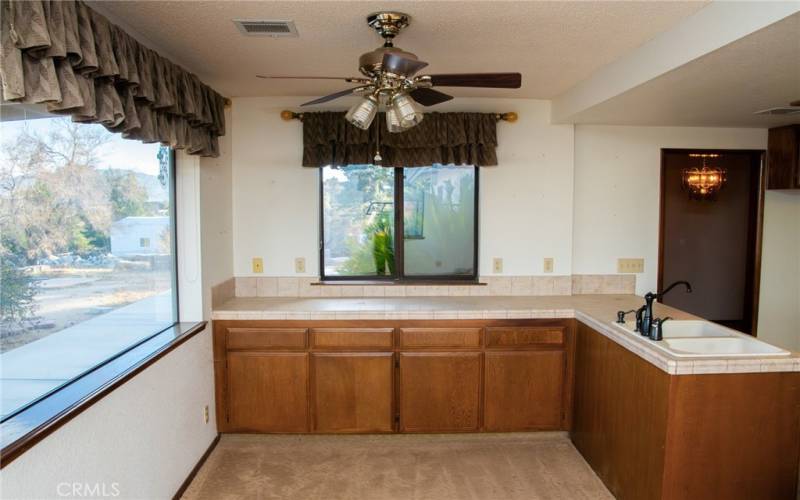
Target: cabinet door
{"type": "Point", "coordinates": [524, 390]}
{"type": "Point", "coordinates": [352, 392]}
{"type": "Point", "coordinates": [268, 392]}
{"type": "Point", "coordinates": [440, 391]}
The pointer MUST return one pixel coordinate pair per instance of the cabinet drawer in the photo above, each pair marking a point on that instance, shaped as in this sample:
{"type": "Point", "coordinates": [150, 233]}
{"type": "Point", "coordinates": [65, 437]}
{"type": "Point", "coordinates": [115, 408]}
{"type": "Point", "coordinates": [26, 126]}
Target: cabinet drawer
{"type": "Point", "coordinates": [524, 336]}
{"type": "Point", "coordinates": [266, 338]}
{"type": "Point", "coordinates": [352, 338]}
{"type": "Point", "coordinates": [440, 337]}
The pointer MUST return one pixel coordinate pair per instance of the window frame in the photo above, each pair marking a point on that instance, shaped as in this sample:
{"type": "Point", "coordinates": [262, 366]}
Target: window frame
{"type": "Point", "coordinates": [27, 425]}
{"type": "Point", "coordinates": [399, 239]}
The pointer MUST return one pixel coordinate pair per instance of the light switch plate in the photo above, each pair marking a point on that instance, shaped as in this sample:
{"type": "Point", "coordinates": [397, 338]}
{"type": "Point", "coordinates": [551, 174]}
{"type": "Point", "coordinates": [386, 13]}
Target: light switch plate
{"type": "Point", "coordinates": [630, 266]}
{"type": "Point", "coordinates": [548, 264]}
{"type": "Point", "coordinates": [300, 265]}
{"type": "Point", "coordinates": [497, 265]}
{"type": "Point", "coordinates": [258, 265]}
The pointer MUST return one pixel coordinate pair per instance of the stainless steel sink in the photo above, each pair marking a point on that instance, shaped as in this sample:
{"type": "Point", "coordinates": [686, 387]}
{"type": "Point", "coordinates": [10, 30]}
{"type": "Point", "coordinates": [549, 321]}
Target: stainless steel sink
{"type": "Point", "coordinates": [704, 339]}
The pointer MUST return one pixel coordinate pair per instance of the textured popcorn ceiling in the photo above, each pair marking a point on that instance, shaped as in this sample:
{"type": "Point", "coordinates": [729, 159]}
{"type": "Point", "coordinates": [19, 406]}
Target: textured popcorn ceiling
{"type": "Point", "coordinates": [553, 44]}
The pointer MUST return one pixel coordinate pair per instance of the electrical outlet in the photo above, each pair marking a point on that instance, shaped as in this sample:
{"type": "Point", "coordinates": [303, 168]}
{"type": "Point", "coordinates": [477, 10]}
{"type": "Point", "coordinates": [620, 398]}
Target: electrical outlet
{"type": "Point", "coordinates": [548, 264]}
{"type": "Point", "coordinates": [497, 265]}
{"type": "Point", "coordinates": [205, 414]}
{"type": "Point", "coordinates": [300, 265]}
{"type": "Point", "coordinates": [630, 266]}
{"type": "Point", "coordinates": [258, 265]}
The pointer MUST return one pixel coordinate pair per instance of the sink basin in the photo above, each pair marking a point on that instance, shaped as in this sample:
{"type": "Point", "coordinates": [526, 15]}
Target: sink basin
{"type": "Point", "coordinates": [704, 339]}
{"type": "Point", "coordinates": [718, 346]}
{"type": "Point", "coordinates": [678, 329]}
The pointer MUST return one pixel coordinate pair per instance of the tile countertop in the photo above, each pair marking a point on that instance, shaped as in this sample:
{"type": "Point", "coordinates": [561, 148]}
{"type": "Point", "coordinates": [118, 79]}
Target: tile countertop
{"type": "Point", "coordinates": [596, 311]}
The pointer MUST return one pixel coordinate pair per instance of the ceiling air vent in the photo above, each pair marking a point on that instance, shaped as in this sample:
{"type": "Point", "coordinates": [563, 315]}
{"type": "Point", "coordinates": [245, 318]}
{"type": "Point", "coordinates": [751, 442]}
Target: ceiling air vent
{"type": "Point", "coordinates": [262, 27]}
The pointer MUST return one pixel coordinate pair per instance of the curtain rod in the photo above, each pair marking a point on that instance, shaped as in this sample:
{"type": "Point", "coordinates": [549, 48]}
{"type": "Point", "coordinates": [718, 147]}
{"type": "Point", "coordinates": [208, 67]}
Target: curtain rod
{"type": "Point", "coordinates": [510, 117]}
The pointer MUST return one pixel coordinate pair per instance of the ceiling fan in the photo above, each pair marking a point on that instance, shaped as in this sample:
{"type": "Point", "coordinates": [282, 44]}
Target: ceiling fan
{"type": "Point", "coordinates": [389, 79]}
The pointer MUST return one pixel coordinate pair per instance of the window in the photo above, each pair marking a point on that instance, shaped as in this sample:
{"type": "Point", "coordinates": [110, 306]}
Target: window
{"type": "Point", "coordinates": [87, 246]}
{"type": "Point", "coordinates": [364, 206]}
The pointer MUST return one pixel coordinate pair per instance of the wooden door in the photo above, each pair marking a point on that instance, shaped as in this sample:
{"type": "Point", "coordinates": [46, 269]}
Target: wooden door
{"type": "Point", "coordinates": [267, 392]}
{"type": "Point", "coordinates": [524, 390]}
{"type": "Point", "coordinates": [714, 243]}
{"type": "Point", "coordinates": [440, 391]}
{"type": "Point", "coordinates": [353, 392]}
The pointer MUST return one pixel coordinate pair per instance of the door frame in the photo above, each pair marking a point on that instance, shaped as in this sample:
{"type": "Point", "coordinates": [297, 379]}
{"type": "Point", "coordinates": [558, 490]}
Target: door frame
{"type": "Point", "coordinates": [754, 237]}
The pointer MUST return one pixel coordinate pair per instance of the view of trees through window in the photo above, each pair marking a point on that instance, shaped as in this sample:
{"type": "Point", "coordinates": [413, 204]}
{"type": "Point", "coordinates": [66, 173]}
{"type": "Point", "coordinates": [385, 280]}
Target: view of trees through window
{"type": "Point", "coordinates": [439, 218]}
{"type": "Point", "coordinates": [86, 250]}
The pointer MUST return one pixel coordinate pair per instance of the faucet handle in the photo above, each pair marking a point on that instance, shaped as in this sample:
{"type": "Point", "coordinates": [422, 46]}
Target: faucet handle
{"type": "Point", "coordinates": [621, 315]}
{"type": "Point", "coordinates": [657, 328]}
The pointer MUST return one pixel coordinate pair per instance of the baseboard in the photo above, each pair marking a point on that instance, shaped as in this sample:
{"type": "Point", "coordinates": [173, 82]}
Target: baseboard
{"type": "Point", "coordinates": [196, 469]}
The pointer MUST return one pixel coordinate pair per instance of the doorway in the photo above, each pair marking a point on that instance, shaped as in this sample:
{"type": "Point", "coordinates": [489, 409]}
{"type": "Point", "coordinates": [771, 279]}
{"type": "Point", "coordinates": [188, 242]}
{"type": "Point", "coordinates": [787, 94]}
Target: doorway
{"type": "Point", "coordinates": [713, 240]}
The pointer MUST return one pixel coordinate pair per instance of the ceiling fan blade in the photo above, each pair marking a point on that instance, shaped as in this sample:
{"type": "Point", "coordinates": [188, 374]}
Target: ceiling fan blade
{"type": "Point", "coordinates": [398, 65]}
{"type": "Point", "coordinates": [330, 97]}
{"type": "Point", "coordinates": [342, 78]}
{"type": "Point", "coordinates": [429, 97]}
{"type": "Point", "coordinates": [487, 80]}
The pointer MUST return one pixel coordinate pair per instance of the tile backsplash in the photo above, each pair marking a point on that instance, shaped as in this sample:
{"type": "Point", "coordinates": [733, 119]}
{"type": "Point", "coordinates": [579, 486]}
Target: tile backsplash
{"type": "Point", "coordinates": [493, 286]}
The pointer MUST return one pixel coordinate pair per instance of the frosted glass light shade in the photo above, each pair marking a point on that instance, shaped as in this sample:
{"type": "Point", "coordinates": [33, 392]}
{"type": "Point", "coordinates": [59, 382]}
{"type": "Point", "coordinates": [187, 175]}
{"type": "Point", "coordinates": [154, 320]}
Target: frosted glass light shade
{"type": "Point", "coordinates": [363, 112]}
{"type": "Point", "coordinates": [407, 109]}
{"type": "Point", "coordinates": [393, 121]}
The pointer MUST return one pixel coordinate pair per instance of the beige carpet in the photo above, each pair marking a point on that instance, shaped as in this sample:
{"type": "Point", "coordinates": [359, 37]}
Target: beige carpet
{"type": "Point", "coordinates": [376, 467]}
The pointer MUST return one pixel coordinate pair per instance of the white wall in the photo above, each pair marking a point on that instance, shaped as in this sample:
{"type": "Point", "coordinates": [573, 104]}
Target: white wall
{"type": "Point", "coordinates": [146, 436]}
{"type": "Point", "coordinates": [779, 304]}
{"type": "Point", "coordinates": [525, 203]}
{"type": "Point", "coordinates": [216, 216]}
{"type": "Point", "coordinates": [617, 176]}
{"type": "Point", "coordinates": [617, 209]}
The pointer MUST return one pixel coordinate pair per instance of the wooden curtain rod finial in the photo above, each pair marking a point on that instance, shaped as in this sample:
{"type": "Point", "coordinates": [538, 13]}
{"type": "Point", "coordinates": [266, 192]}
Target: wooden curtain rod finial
{"type": "Point", "coordinates": [287, 115]}
{"type": "Point", "coordinates": [510, 117]}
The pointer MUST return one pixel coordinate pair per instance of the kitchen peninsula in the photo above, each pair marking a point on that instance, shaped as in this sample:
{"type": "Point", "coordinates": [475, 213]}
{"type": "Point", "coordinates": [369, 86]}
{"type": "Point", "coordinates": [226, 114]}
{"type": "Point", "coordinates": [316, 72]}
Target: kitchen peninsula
{"type": "Point", "coordinates": [651, 425]}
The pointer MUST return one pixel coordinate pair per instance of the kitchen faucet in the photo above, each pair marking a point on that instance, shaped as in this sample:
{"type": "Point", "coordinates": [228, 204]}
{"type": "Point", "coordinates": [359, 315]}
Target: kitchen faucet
{"type": "Point", "coordinates": [644, 315]}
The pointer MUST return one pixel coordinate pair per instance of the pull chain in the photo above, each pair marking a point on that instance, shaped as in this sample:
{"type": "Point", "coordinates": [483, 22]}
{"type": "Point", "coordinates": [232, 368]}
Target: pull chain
{"type": "Point", "coordinates": [378, 158]}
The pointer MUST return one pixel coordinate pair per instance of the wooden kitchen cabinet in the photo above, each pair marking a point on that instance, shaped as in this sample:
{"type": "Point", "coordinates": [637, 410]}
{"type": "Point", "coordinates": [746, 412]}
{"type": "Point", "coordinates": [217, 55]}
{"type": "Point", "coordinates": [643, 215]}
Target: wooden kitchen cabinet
{"type": "Point", "coordinates": [440, 391]}
{"type": "Point", "coordinates": [393, 376]}
{"type": "Point", "coordinates": [783, 157]}
{"type": "Point", "coordinates": [267, 392]}
{"type": "Point", "coordinates": [353, 392]}
{"type": "Point", "coordinates": [651, 435]}
{"type": "Point", "coordinates": [524, 390]}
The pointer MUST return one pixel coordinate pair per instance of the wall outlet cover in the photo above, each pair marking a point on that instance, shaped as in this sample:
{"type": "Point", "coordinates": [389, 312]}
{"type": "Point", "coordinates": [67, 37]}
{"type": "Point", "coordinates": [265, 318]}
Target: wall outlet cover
{"type": "Point", "coordinates": [497, 265]}
{"type": "Point", "coordinates": [258, 265]}
{"type": "Point", "coordinates": [300, 265]}
{"type": "Point", "coordinates": [548, 265]}
{"type": "Point", "coordinates": [630, 266]}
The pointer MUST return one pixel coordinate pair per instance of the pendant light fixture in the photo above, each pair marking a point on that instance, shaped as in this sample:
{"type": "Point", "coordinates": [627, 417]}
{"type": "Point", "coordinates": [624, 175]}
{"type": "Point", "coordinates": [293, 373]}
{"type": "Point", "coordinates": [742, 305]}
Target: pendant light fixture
{"type": "Point", "coordinates": [705, 182]}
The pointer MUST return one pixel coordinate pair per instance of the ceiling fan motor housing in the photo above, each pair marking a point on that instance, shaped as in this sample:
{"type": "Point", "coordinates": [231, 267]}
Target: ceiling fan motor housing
{"type": "Point", "coordinates": [370, 63]}
{"type": "Point", "coordinates": [388, 24]}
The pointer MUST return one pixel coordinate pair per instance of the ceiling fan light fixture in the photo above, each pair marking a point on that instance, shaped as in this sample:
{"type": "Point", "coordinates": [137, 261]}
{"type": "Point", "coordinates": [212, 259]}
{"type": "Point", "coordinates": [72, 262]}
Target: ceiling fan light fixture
{"type": "Point", "coordinates": [408, 111]}
{"type": "Point", "coordinates": [393, 124]}
{"type": "Point", "coordinates": [363, 112]}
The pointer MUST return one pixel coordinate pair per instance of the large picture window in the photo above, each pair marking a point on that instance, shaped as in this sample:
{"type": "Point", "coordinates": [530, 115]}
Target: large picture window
{"type": "Point", "coordinates": [399, 223]}
{"type": "Point", "coordinates": [87, 244]}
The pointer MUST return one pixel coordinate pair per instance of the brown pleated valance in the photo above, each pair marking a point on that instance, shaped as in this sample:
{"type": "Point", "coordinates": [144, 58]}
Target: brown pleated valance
{"type": "Point", "coordinates": [69, 57]}
{"type": "Point", "coordinates": [441, 138]}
